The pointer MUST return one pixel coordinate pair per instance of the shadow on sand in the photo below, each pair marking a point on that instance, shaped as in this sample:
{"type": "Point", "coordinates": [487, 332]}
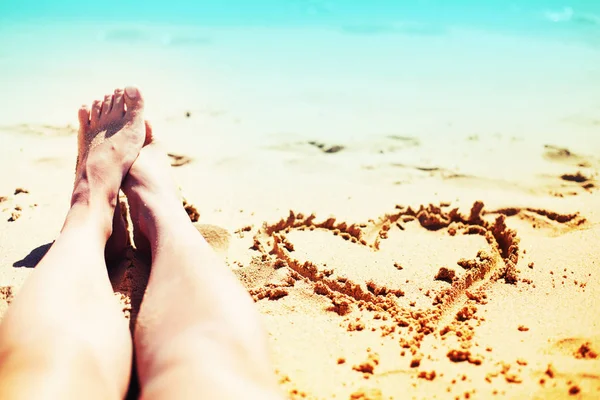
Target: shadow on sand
{"type": "Point", "coordinates": [34, 257]}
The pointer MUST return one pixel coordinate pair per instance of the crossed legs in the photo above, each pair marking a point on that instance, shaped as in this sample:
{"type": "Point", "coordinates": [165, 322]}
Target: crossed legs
{"type": "Point", "coordinates": [197, 333]}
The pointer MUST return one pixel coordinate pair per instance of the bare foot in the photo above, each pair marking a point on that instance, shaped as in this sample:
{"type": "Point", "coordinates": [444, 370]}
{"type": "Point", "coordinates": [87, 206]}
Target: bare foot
{"type": "Point", "coordinates": [152, 194]}
{"type": "Point", "coordinates": [110, 137]}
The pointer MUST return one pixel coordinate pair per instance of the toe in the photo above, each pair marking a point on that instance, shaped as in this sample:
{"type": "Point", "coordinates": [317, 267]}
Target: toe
{"type": "Point", "coordinates": [84, 118]}
{"type": "Point", "coordinates": [149, 134]}
{"type": "Point", "coordinates": [133, 101]}
{"type": "Point", "coordinates": [118, 106]}
{"type": "Point", "coordinates": [107, 104]}
{"type": "Point", "coordinates": [95, 113]}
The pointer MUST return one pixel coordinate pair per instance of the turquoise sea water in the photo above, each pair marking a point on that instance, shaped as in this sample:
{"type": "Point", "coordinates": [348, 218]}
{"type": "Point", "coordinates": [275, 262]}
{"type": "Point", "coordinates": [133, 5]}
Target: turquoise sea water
{"type": "Point", "coordinates": [353, 16]}
{"type": "Point", "coordinates": [334, 67]}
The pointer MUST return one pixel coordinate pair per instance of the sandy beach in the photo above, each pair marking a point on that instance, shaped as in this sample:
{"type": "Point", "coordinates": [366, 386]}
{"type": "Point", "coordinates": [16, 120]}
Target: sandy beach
{"type": "Point", "coordinates": [402, 237]}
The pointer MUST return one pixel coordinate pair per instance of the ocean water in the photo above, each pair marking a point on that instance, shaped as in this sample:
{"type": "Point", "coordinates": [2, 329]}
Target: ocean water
{"type": "Point", "coordinates": [331, 69]}
{"type": "Point", "coordinates": [358, 16]}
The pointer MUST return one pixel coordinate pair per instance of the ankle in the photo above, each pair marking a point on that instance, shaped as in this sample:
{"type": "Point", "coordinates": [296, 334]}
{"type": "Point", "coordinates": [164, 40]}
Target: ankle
{"type": "Point", "coordinates": [147, 191]}
{"type": "Point", "coordinates": [155, 216]}
{"type": "Point", "coordinates": [91, 214]}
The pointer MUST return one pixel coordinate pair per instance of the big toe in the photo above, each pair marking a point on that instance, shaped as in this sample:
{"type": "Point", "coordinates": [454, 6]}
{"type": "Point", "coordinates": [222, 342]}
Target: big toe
{"type": "Point", "coordinates": [134, 101]}
{"type": "Point", "coordinates": [149, 134]}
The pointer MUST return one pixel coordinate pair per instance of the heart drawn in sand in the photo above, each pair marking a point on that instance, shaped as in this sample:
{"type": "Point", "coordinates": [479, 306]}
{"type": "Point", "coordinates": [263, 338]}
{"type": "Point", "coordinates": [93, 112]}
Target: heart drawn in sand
{"type": "Point", "coordinates": [387, 266]}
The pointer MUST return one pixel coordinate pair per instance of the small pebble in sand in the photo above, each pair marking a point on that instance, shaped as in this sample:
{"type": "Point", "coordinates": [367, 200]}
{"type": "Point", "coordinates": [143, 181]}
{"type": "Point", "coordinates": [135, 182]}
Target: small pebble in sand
{"type": "Point", "coordinates": [531, 264]}
{"type": "Point", "coordinates": [523, 328]}
{"type": "Point", "coordinates": [415, 362]}
{"type": "Point", "coordinates": [573, 390]}
{"type": "Point", "coordinates": [427, 375]}
{"type": "Point", "coordinates": [585, 351]}
{"type": "Point", "coordinates": [513, 378]}
{"type": "Point", "coordinates": [358, 326]}
{"type": "Point", "coordinates": [341, 360]}
{"type": "Point", "coordinates": [445, 274]}
{"type": "Point", "coordinates": [550, 371]}
{"type": "Point", "coordinates": [15, 215]}
{"type": "Point", "coordinates": [191, 211]}
{"type": "Point", "coordinates": [368, 367]}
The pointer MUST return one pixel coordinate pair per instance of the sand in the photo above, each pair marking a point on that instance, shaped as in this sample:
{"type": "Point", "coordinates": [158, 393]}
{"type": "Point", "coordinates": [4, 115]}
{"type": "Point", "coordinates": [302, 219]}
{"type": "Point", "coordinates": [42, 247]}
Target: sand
{"type": "Point", "coordinates": [403, 236]}
{"type": "Point", "coordinates": [444, 285]}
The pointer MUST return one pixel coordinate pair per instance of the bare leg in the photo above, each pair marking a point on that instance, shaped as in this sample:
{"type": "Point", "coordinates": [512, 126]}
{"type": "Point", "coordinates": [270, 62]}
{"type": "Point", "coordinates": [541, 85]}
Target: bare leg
{"type": "Point", "coordinates": [198, 334]}
{"type": "Point", "coordinates": [64, 336]}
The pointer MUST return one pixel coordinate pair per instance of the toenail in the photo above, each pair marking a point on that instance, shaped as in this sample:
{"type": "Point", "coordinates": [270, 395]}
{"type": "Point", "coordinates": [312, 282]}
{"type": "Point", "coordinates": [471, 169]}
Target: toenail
{"type": "Point", "coordinates": [132, 92]}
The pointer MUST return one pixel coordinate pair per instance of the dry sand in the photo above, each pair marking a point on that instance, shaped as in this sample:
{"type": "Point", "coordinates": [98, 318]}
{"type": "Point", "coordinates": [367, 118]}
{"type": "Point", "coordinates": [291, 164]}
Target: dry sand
{"type": "Point", "coordinates": [394, 267]}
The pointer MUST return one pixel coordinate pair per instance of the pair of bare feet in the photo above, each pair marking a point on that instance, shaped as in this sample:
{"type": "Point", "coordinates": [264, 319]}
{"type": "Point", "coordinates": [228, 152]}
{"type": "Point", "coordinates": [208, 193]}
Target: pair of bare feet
{"type": "Point", "coordinates": [197, 325]}
{"type": "Point", "coordinates": [197, 332]}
